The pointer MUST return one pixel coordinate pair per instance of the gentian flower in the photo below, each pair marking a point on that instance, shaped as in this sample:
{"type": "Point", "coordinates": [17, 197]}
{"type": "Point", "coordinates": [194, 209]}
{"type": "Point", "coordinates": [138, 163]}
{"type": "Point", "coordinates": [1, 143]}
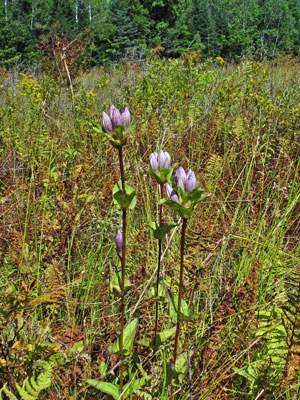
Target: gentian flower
{"type": "Point", "coordinates": [186, 181]}
{"type": "Point", "coordinates": [115, 119]}
{"type": "Point", "coordinates": [162, 160]}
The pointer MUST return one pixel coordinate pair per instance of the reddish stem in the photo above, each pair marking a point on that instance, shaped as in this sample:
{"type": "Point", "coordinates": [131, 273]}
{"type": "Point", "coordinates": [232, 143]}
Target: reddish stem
{"type": "Point", "coordinates": [184, 224]}
{"type": "Point", "coordinates": [158, 264]}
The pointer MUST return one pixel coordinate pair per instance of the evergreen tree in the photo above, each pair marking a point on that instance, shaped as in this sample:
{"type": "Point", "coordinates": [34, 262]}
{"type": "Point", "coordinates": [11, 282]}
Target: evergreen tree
{"type": "Point", "coordinates": [63, 11]}
{"type": "Point", "coordinates": [276, 27]}
{"type": "Point", "coordinates": [103, 32]}
{"type": "Point", "coordinates": [125, 34]}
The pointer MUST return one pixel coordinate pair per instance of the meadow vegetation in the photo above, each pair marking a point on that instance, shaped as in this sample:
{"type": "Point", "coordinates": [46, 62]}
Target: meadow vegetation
{"type": "Point", "coordinates": [237, 126]}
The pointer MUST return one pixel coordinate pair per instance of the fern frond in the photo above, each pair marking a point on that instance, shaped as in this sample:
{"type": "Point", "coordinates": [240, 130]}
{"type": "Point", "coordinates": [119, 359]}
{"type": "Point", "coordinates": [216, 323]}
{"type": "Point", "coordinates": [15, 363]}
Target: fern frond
{"type": "Point", "coordinates": [8, 393]}
{"type": "Point", "coordinates": [55, 288]}
{"type": "Point", "coordinates": [213, 169]}
{"type": "Point", "coordinates": [31, 389]}
{"type": "Point", "coordinates": [238, 130]}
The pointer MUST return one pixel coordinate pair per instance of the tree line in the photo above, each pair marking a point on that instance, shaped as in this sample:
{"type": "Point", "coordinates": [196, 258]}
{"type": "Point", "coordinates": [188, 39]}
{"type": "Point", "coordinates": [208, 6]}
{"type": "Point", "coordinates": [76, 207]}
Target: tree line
{"type": "Point", "coordinates": [114, 30]}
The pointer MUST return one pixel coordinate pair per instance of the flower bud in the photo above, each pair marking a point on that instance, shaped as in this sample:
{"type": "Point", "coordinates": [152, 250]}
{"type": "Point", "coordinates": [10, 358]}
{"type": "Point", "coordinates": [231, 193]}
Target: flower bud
{"type": "Point", "coordinates": [167, 160]}
{"type": "Point", "coordinates": [180, 173]}
{"type": "Point", "coordinates": [119, 242]}
{"type": "Point", "coordinates": [171, 193]}
{"type": "Point", "coordinates": [125, 118]}
{"type": "Point", "coordinates": [106, 122]}
{"type": "Point", "coordinates": [190, 182]}
{"type": "Point", "coordinates": [180, 183]}
{"type": "Point", "coordinates": [116, 118]}
{"type": "Point", "coordinates": [111, 111]}
{"type": "Point", "coordinates": [161, 158]}
{"type": "Point", "coordinates": [153, 161]}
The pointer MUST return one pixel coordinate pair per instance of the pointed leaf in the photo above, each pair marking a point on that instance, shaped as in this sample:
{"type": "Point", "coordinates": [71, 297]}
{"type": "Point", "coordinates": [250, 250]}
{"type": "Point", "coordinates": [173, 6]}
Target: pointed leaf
{"type": "Point", "coordinates": [123, 199]}
{"type": "Point", "coordinates": [167, 334]}
{"type": "Point", "coordinates": [119, 132]}
{"type": "Point", "coordinates": [105, 387]}
{"type": "Point", "coordinates": [181, 210]}
{"type": "Point", "coordinates": [160, 296]}
{"type": "Point", "coordinates": [136, 384]}
{"type": "Point", "coordinates": [129, 335]}
{"type": "Point", "coordinates": [195, 196]}
{"type": "Point", "coordinates": [157, 177]}
{"type": "Point", "coordinates": [162, 176]}
{"type": "Point", "coordinates": [185, 312]}
{"type": "Point", "coordinates": [161, 231]}
{"type": "Point", "coordinates": [116, 283]}
{"type": "Point", "coordinates": [98, 129]}
{"type": "Point", "coordinates": [128, 339]}
{"type": "Point", "coordinates": [181, 363]}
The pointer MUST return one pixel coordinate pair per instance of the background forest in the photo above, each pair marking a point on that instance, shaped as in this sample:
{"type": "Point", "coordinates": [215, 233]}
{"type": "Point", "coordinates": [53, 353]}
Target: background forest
{"type": "Point", "coordinates": [113, 30]}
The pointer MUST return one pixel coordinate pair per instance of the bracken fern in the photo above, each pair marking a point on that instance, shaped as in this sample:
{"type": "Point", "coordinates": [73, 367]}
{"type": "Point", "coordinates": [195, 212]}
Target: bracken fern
{"type": "Point", "coordinates": [31, 388]}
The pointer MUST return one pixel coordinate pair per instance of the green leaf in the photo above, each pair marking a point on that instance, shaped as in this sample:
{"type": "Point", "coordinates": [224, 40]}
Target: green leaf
{"type": "Point", "coordinates": [116, 283]}
{"type": "Point", "coordinates": [195, 196]}
{"type": "Point", "coordinates": [8, 393]}
{"type": "Point", "coordinates": [160, 296]}
{"type": "Point", "coordinates": [159, 339]}
{"type": "Point", "coordinates": [181, 210]}
{"type": "Point", "coordinates": [161, 176]}
{"type": "Point", "coordinates": [129, 335]}
{"type": "Point", "coordinates": [163, 337]}
{"type": "Point", "coordinates": [102, 368]}
{"type": "Point", "coordinates": [128, 339]}
{"type": "Point", "coordinates": [181, 364]}
{"type": "Point", "coordinates": [98, 129]}
{"type": "Point", "coordinates": [117, 138]}
{"type": "Point", "coordinates": [136, 384]}
{"type": "Point", "coordinates": [105, 387]}
{"type": "Point", "coordinates": [161, 231]}
{"type": "Point", "coordinates": [124, 199]}
{"type": "Point", "coordinates": [185, 312]}
{"type": "Point", "coordinates": [119, 132]}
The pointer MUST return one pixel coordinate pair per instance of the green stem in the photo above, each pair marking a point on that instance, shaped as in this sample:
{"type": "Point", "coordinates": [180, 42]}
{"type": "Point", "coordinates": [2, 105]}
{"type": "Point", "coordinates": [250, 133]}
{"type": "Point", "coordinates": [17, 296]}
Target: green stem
{"type": "Point", "coordinates": [124, 222]}
{"type": "Point", "coordinates": [184, 224]}
{"type": "Point", "coordinates": [158, 265]}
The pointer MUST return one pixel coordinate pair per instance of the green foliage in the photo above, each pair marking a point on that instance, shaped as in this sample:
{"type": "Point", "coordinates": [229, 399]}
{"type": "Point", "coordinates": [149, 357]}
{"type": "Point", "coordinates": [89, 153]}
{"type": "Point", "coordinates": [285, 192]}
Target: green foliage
{"type": "Point", "coordinates": [31, 388]}
{"type": "Point", "coordinates": [124, 199]}
{"type": "Point", "coordinates": [238, 128]}
{"type": "Point", "coordinates": [128, 339]}
{"type": "Point", "coordinates": [128, 30]}
{"type": "Point", "coordinates": [161, 231]}
{"type": "Point", "coordinates": [184, 314]}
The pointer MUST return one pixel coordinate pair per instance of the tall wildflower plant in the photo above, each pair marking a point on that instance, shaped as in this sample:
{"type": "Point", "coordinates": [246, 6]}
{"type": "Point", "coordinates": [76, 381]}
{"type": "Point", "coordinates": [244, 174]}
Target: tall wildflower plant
{"type": "Point", "coordinates": [162, 171]}
{"type": "Point", "coordinates": [182, 197]}
{"type": "Point", "coordinates": [115, 126]}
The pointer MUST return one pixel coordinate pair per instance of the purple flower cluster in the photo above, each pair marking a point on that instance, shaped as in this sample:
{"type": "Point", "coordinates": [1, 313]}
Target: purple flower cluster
{"type": "Point", "coordinates": [186, 181]}
{"type": "Point", "coordinates": [115, 119]}
{"type": "Point", "coordinates": [161, 159]}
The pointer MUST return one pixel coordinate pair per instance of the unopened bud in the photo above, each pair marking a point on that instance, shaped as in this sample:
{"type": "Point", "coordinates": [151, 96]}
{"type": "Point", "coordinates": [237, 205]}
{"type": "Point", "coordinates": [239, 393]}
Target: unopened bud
{"type": "Point", "coordinates": [171, 193]}
{"type": "Point", "coordinates": [180, 174]}
{"type": "Point", "coordinates": [125, 118]}
{"type": "Point", "coordinates": [106, 122]}
{"type": "Point", "coordinates": [153, 161]}
{"type": "Point", "coordinates": [119, 242]}
{"type": "Point", "coordinates": [190, 182]}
